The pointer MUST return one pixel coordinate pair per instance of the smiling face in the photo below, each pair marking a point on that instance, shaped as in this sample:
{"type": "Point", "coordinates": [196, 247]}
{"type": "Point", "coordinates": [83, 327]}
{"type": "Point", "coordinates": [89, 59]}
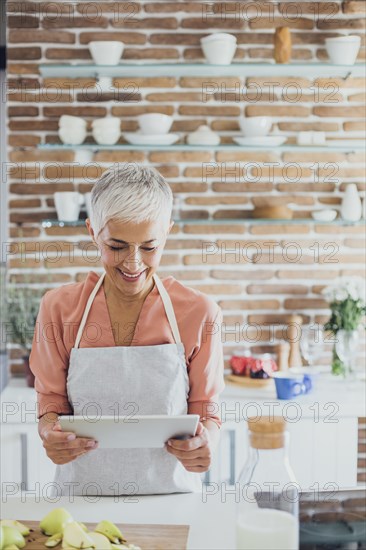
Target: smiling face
{"type": "Point", "coordinates": [130, 254]}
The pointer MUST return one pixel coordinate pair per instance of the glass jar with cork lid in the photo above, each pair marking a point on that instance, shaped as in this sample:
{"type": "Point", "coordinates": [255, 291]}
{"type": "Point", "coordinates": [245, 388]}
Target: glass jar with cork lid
{"type": "Point", "coordinates": [267, 511]}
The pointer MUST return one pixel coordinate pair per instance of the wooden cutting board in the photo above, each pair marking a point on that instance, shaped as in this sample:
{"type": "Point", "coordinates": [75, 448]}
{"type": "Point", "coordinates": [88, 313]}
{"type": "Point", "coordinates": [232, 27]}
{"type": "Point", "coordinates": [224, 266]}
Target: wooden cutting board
{"type": "Point", "coordinates": [249, 382]}
{"type": "Point", "coordinates": [147, 536]}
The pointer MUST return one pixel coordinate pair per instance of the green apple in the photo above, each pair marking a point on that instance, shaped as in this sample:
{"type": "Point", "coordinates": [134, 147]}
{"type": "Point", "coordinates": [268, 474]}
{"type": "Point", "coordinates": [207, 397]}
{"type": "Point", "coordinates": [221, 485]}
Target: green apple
{"type": "Point", "coordinates": [12, 536]}
{"type": "Point", "coordinates": [54, 522]}
{"type": "Point", "coordinates": [23, 529]}
{"type": "Point", "coordinates": [83, 526]}
{"type": "Point", "coordinates": [101, 542]}
{"type": "Point", "coordinates": [111, 531]}
{"type": "Point", "coordinates": [54, 540]}
{"type": "Point", "coordinates": [11, 547]}
{"type": "Point", "coordinates": [119, 546]}
{"type": "Point", "coordinates": [76, 537]}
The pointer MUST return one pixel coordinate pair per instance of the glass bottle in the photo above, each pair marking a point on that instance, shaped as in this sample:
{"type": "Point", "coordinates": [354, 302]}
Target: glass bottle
{"type": "Point", "coordinates": [267, 511]}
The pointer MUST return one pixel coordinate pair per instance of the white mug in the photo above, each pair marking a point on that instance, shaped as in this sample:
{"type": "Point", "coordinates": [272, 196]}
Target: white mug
{"type": "Point", "coordinates": [68, 205]}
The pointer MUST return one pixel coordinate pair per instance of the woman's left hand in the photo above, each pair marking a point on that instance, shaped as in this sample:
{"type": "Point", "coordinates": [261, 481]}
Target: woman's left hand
{"type": "Point", "coordinates": [194, 453]}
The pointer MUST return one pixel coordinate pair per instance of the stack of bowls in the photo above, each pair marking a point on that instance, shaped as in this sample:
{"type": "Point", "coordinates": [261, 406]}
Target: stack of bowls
{"type": "Point", "coordinates": [255, 132]}
{"type": "Point", "coordinates": [106, 131]}
{"type": "Point", "coordinates": [72, 129]}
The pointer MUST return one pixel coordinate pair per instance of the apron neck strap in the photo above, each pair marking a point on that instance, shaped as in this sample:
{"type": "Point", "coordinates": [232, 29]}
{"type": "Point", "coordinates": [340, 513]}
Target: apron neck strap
{"type": "Point", "coordinates": [168, 306]}
{"type": "Point", "coordinates": [87, 309]}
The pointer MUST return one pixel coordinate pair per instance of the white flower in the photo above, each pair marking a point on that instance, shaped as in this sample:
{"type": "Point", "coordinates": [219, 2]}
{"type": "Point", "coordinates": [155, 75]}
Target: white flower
{"type": "Point", "coordinates": [346, 287]}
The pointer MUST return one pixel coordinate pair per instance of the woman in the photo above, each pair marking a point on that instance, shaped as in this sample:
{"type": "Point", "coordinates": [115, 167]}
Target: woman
{"type": "Point", "coordinates": [125, 342]}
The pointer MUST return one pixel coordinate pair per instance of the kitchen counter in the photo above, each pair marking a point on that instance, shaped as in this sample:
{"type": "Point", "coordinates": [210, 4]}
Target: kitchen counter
{"type": "Point", "coordinates": [330, 396]}
{"type": "Point", "coordinates": [212, 523]}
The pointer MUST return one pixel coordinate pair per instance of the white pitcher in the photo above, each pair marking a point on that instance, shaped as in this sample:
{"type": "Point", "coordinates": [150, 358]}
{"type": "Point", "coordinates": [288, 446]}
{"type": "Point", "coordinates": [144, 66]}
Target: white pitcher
{"type": "Point", "coordinates": [68, 205]}
{"type": "Point", "coordinates": [351, 208]}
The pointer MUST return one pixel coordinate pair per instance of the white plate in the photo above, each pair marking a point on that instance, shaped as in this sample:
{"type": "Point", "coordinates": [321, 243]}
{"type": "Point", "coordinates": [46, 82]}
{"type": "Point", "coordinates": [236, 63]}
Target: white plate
{"type": "Point", "coordinates": [131, 432]}
{"type": "Point", "coordinates": [273, 141]}
{"type": "Point", "coordinates": [151, 139]}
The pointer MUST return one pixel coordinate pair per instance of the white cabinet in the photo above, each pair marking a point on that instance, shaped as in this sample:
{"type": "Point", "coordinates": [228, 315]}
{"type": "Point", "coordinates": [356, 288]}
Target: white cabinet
{"type": "Point", "coordinates": [24, 463]}
{"type": "Point", "coordinates": [323, 455]}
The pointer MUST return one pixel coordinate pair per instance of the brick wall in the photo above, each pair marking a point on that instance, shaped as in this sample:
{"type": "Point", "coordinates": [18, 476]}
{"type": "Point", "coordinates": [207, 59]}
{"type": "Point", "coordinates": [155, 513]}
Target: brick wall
{"type": "Point", "coordinates": [258, 287]}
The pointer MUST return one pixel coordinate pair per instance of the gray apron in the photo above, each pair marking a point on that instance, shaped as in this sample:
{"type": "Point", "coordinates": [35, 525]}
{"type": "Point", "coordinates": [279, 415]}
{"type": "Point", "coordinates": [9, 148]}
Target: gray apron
{"type": "Point", "coordinates": [127, 380]}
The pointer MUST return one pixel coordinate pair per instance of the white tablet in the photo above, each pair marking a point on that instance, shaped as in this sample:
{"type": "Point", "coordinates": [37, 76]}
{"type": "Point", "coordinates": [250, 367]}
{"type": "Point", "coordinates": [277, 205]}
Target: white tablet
{"type": "Point", "coordinates": [131, 432]}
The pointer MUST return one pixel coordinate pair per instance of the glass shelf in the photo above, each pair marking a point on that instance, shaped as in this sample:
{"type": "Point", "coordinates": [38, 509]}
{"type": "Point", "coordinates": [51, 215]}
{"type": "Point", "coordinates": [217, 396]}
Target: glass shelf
{"type": "Point", "coordinates": [345, 147]}
{"type": "Point", "coordinates": [79, 223]}
{"type": "Point", "coordinates": [143, 69]}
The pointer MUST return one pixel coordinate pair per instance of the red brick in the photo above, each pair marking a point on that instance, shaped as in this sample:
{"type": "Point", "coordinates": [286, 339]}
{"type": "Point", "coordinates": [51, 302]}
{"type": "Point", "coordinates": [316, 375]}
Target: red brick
{"type": "Point", "coordinates": [354, 6]}
{"type": "Point", "coordinates": [38, 36]}
{"type": "Point", "coordinates": [22, 22]}
{"type": "Point", "coordinates": [92, 20]}
{"type": "Point", "coordinates": [146, 23]}
{"type": "Point", "coordinates": [125, 37]}
{"type": "Point", "coordinates": [24, 53]}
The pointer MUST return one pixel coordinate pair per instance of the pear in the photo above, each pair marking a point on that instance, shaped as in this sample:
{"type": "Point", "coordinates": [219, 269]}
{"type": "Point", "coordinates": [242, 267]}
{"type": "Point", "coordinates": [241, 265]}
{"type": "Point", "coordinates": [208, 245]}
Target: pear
{"type": "Point", "coordinates": [11, 547]}
{"type": "Point", "coordinates": [54, 540]}
{"type": "Point", "coordinates": [111, 531]}
{"type": "Point", "coordinates": [11, 537]}
{"type": "Point", "coordinates": [23, 529]}
{"type": "Point", "coordinates": [101, 542]}
{"type": "Point", "coordinates": [55, 521]}
{"type": "Point", "coordinates": [75, 537]}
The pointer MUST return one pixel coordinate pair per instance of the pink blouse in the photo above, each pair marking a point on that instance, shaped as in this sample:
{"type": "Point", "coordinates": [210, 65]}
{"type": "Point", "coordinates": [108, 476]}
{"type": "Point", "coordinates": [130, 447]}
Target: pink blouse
{"type": "Point", "coordinates": [199, 320]}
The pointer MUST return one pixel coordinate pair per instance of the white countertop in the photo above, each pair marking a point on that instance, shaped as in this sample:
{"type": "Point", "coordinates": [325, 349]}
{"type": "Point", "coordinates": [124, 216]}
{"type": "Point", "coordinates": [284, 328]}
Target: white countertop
{"type": "Point", "coordinates": [212, 523]}
{"type": "Point", "coordinates": [330, 395]}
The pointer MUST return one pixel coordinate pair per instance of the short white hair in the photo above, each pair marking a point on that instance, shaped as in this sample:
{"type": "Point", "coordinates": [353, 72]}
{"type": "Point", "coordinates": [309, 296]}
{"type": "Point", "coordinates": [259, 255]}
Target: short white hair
{"type": "Point", "coordinates": [130, 192]}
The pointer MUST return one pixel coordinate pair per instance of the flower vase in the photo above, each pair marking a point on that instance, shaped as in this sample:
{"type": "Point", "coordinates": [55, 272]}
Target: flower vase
{"type": "Point", "coordinates": [346, 344]}
{"type": "Point", "coordinates": [338, 367]}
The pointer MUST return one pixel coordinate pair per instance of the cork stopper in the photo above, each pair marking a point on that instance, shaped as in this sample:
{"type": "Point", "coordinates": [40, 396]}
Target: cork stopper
{"type": "Point", "coordinates": [267, 432]}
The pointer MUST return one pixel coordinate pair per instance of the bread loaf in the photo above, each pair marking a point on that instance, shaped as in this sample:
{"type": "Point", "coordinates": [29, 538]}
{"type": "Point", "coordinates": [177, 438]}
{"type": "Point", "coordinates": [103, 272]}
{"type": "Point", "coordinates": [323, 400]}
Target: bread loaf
{"type": "Point", "coordinates": [282, 45]}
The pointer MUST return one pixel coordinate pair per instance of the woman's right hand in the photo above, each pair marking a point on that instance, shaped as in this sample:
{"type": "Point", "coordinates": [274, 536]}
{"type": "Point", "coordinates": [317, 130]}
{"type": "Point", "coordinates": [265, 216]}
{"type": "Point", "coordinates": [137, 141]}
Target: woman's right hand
{"type": "Point", "coordinates": [62, 447]}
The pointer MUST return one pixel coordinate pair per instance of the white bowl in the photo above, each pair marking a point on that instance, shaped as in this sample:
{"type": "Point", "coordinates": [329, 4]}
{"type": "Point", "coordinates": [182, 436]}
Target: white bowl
{"type": "Point", "coordinates": [261, 141]}
{"type": "Point", "coordinates": [150, 139]}
{"type": "Point", "coordinates": [155, 123]}
{"type": "Point", "coordinates": [343, 50]}
{"type": "Point", "coordinates": [326, 215]}
{"type": "Point", "coordinates": [106, 52]}
{"type": "Point", "coordinates": [112, 123]}
{"type": "Point", "coordinates": [218, 36]}
{"type": "Point", "coordinates": [68, 121]}
{"type": "Point", "coordinates": [255, 126]}
{"type": "Point", "coordinates": [219, 51]}
{"type": "Point", "coordinates": [72, 136]}
{"type": "Point", "coordinates": [106, 137]}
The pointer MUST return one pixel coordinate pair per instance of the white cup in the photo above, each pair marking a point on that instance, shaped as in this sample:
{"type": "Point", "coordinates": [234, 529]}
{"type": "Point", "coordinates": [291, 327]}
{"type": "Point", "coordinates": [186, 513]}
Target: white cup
{"type": "Point", "coordinates": [219, 48]}
{"type": "Point", "coordinates": [155, 123]}
{"type": "Point", "coordinates": [343, 50]}
{"type": "Point", "coordinates": [68, 121]}
{"type": "Point", "coordinates": [68, 205]}
{"type": "Point", "coordinates": [106, 52]}
{"type": "Point", "coordinates": [255, 126]}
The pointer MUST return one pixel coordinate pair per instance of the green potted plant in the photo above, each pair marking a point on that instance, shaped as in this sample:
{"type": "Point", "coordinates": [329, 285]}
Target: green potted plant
{"type": "Point", "coordinates": [21, 310]}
